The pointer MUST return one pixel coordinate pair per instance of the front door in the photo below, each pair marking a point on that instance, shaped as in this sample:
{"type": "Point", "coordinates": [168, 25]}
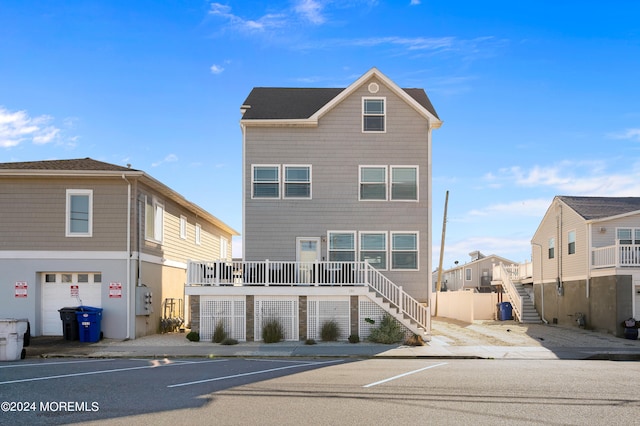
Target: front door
{"type": "Point", "coordinates": [307, 253]}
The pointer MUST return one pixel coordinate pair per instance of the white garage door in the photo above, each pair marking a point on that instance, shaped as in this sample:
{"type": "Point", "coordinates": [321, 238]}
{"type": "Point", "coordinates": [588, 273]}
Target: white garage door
{"type": "Point", "coordinates": [61, 290]}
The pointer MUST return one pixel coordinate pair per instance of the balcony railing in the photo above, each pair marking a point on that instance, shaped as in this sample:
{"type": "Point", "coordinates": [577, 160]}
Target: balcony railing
{"type": "Point", "coordinates": [269, 273]}
{"type": "Point", "coordinates": [619, 255]}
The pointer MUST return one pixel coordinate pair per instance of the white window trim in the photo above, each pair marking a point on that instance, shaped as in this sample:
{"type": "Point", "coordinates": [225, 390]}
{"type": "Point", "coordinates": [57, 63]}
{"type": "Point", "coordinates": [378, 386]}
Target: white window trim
{"type": "Point", "coordinates": [355, 243]}
{"type": "Point", "coordinates": [417, 183]}
{"type": "Point", "coordinates": [391, 234]}
{"type": "Point", "coordinates": [70, 192]}
{"type": "Point", "coordinates": [284, 182]}
{"type": "Point", "coordinates": [384, 113]}
{"type": "Point", "coordinates": [549, 240]}
{"type": "Point", "coordinates": [198, 236]}
{"type": "Point", "coordinates": [183, 227]}
{"type": "Point", "coordinates": [278, 181]}
{"type": "Point", "coordinates": [158, 230]}
{"type": "Point", "coordinates": [386, 181]}
{"type": "Point", "coordinates": [386, 247]}
{"type": "Point", "coordinates": [575, 238]}
{"type": "Point", "coordinates": [470, 274]}
{"type": "Point", "coordinates": [224, 248]}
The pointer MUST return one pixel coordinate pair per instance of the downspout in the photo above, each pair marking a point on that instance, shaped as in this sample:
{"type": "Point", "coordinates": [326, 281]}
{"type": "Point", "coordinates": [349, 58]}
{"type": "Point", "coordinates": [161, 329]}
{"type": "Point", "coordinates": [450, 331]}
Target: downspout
{"type": "Point", "coordinates": [559, 248]}
{"type": "Point", "coordinates": [589, 256]}
{"type": "Point", "coordinates": [128, 256]}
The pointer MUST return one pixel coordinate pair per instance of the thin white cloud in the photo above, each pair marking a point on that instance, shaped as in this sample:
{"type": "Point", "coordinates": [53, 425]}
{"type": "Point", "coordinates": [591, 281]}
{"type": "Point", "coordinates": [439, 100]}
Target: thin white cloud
{"type": "Point", "coordinates": [216, 69]}
{"type": "Point", "coordinates": [265, 22]}
{"type": "Point", "coordinates": [311, 11]}
{"type": "Point", "coordinates": [628, 134]}
{"type": "Point", "coordinates": [414, 2]}
{"type": "Point", "coordinates": [533, 207]}
{"type": "Point", "coordinates": [575, 178]}
{"type": "Point", "coordinates": [171, 158]}
{"type": "Point", "coordinates": [499, 246]}
{"type": "Point", "coordinates": [17, 127]}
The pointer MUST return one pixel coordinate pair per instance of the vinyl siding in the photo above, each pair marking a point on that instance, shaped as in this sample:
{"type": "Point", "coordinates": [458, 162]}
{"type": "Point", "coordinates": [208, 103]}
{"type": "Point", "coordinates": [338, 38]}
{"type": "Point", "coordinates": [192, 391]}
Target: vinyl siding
{"type": "Point", "coordinates": [33, 214]}
{"type": "Point", "coordinates": [335, 150]}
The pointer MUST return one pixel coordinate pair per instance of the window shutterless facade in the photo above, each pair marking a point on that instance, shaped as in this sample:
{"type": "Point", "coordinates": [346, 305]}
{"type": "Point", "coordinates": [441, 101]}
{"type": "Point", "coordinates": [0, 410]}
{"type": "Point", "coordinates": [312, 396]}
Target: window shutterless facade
{"type": "Point", "coordinates": [404, 250]}
{"type": "Point", "coordinates": [297, 181]}
{"type": "Point", "coordinates": [373, 248]}
{"type": "Point", "coordinates": [373, 115]}
{"type": "Point", "coordinates": [628, 236]}
{"type": "Point", "coordinates": [552, 248]}
{"type": "Point", "coordinates": [154, 219]}
{"type": "Point", "coordinates": [342, 246]}
{"type": "Point", "coordinates": [79, 213]}
{"type": "Point", "coordinates": [571, 238]}
{"type": "Point", "coordinates": [373, 183]}
{"type": "Point", "coordinates": [265, 181]}
{"type": "Point", "coordinates": [404, 183]}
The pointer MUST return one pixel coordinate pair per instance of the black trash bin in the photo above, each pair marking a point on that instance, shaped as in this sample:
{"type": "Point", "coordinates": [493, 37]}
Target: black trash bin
{"type": "Point", "coordinates": [69, 323]}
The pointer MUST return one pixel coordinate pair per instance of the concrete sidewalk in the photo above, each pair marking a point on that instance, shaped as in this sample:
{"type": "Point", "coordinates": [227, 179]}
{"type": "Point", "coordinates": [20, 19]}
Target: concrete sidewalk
{"type": "Point", "coordinates": [451, 339]}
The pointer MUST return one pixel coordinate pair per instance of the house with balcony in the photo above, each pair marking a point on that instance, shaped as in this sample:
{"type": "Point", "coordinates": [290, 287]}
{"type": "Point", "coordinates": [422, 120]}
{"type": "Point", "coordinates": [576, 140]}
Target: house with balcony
{"type": "Point", "coordinates": [586, 262]}
{"type": "Point", "coordinates": [475, 275]}
{"type": "Point", "coordinates": [85, 232]}
{"type": "Point", "coordinates": [336, 213]}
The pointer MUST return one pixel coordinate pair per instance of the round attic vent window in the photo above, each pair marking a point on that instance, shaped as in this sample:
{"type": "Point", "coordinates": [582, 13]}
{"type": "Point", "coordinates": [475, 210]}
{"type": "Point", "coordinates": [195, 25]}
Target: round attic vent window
{"type": "Point", "coordinates": [373, 87]}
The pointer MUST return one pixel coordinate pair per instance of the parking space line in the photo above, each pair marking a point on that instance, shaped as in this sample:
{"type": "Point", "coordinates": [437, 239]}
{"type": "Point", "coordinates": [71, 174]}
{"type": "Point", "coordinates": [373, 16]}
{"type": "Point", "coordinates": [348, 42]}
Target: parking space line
{"type": "Point", "coordinates": [403, 375]}
{"type": "Point", "coordinates": [44, 364]}
{"type": "Point", "coordinates": [155, 364]}
{"type": "Point", "coordinates": [252, 373]}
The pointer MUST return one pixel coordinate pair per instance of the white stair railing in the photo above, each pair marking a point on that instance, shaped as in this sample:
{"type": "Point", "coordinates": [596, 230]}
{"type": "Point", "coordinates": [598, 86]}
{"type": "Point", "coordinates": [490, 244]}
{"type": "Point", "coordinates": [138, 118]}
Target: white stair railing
{"type": "Point", "coordinates": [512, 291]}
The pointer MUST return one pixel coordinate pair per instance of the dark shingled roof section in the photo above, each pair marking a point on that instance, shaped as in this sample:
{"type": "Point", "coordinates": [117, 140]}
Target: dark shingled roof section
{"type": "Point", "coordinates": [281, 103]}
{"type": "Point", "coordinates": [601, 207]}
{"type": "Point", "coordinates": [80, 164]}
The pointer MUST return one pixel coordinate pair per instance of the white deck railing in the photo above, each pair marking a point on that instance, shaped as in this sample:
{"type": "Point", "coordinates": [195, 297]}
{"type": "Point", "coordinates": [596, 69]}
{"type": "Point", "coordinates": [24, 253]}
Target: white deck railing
{"type": "Point", "coordinates": [619, 255]}
{"type": "Point", "coordinates": [278, 273]}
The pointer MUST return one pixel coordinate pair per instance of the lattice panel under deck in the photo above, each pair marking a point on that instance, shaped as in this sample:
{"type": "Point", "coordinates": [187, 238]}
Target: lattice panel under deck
{"type": "Point", "coordinates": [369, 309]}
{"type": "Point", "coordinates": [230, 310]}
{"type": "Point", "coordinates": [320, 311]}
{"type": "Point", "coordinates": [283, 309]}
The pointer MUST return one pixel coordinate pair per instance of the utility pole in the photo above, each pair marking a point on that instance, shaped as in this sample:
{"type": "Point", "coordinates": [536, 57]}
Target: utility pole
{"type": "Point", "coordinates": [444, 231]}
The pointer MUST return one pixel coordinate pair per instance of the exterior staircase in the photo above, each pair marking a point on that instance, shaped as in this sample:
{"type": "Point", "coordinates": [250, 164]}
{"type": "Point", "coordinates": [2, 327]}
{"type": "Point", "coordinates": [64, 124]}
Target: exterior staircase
{"type": "Point", "coordinates": [400, 315]}
{"type": "Point", "coordinates": [529, 315]}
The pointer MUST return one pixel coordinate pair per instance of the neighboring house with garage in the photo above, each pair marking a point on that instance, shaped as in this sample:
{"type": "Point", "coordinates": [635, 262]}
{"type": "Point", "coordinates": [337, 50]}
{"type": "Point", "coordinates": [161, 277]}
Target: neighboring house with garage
{"type": "Point", "coordinates": [87, 232]}
{"type": "Point", "coordinates": [336, 212]}
{"type": "Point", "coordinates": [586, 260]}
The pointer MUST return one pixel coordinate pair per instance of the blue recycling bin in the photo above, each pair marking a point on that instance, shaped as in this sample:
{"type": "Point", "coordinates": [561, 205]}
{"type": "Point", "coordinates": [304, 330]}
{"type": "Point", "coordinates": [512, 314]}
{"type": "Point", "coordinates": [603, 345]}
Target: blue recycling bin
{"type": "Point", "coordinates": [506, 311]}
{"type": "Point", "coordinates": [89, 320]}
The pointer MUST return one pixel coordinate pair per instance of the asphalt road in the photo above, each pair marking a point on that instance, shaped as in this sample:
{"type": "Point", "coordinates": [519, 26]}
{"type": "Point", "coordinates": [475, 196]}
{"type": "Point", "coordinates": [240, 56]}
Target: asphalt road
{"type": "Point", "coordinates": [319, 392]}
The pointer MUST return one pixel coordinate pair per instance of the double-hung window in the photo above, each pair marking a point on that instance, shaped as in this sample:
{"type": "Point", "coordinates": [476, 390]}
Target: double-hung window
{"type": "Point", "coordinates": [552, 248]}
{"type": "Point", "coordinates": [373, 115]}
{"type": "Point", "coordinates": [404, 250]}
{"type": "Point", "coordinates": [373, 182]}
{"type": "Point", "coordinates": [297, 181]}
{"type": "Point", "coordinates": [571, 236]}
{"type": "Point", "coordinates": [154, 218]}
{"type": "Point", "coordinates": [342, 246]}
{"type": "Point", "coordinates": [404, 183]}
{"type": "Point", "coordinates": [79, 217]}
{"type": "Point", "coordinates": [373, 248]}
{"type": "Point", "coordinates": [265, 182]}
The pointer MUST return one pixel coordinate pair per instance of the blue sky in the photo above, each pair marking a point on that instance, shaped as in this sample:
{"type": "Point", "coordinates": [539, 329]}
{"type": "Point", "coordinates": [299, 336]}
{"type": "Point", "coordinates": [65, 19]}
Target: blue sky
{"type": "Point", "coordinates": [538, 97]}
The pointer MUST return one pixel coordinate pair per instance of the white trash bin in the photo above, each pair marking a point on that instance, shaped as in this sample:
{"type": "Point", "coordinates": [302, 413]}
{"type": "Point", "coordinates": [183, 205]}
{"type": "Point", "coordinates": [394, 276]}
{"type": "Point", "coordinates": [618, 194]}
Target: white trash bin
{"type": "Point", "coordinates": [12, 339]}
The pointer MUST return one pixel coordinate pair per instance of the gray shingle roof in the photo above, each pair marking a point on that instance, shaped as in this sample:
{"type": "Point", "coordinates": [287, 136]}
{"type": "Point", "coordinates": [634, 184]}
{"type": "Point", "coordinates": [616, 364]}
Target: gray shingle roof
{"type": "Point", "coordinates": [79, 164]}
{"type": "Point", "coordinates": [601, 207]}
{"type": "Point", "coordinates": [280, 103]}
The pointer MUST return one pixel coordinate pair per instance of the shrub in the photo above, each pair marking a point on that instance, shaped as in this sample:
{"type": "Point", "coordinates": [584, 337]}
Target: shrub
{"type": "Point", "coordinates": [272, 331]}
{"type": "Point", "coordinates": [389, 331]}
{"type": "Point", "coordinates": [354, 338]}
{"type": "Point", "coordinates": [218, 333]}
{"type": "Point", "coordinates": [309, 342]}
{"type": "Point", "coordinates": [229, 341]}
{"type": "Point", "coordinates": [330, 331]}
{"type": "Point", "coordinates": [193, 336]}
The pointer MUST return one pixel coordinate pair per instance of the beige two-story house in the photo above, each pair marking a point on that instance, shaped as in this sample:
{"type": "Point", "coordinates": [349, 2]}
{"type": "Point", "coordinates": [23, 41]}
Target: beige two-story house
{"type": "Point", "coordinates": [84, 232]}
{"type": "Point", "coordinates": [336, 194]}
{"type": "Point", "coordinates": [586, 262]}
